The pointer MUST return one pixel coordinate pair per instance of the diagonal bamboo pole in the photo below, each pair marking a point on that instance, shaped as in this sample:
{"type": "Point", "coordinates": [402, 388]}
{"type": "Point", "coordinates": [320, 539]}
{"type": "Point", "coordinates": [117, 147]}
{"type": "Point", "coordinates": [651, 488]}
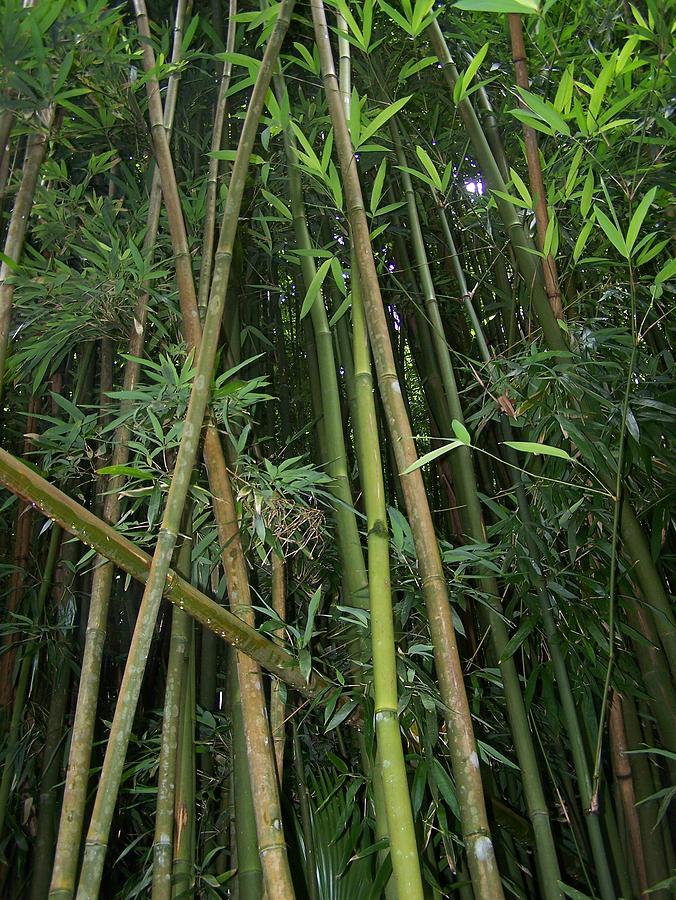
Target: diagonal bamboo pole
{"type": "Point", "coordinates": [66, 858]}
{"type": "Point", "coordinates": [272, 844]}
{"type": "Point", "coordinates": [18, 225]}
{"type": "Point", "coordinates": [80, 522]}
{"type": "Point", "coordinates": [481, 856]}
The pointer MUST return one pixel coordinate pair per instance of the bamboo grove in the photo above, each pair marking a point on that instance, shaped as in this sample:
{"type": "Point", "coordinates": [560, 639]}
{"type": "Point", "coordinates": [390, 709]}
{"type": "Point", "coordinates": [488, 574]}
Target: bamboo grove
{"type": "Point", "coordinates": [336, 394]}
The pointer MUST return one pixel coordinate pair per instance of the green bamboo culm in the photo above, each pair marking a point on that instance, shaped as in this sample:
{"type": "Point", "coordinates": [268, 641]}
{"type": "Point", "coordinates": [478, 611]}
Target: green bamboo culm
{"type": "Point", "coordinates": [480, 852]}
{"type": "Point", "coordinates": [400, 825]}
{"type": "Point", "coordinates": [349, 544]}
{"type": "Point", "coordinates": [465, 478]}
{"type": "Point", "coordinates": [390, 763]}
{"type": "Point", "coordinates": [179, 646]}
{"type": "Point", "coordinates": [83, 524]}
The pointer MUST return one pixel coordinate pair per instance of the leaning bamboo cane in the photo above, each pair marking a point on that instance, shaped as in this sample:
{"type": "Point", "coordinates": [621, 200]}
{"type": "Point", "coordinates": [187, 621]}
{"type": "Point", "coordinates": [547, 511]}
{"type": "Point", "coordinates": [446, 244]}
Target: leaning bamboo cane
{"type": "Point", "coordinates": [18, 225]}
{"type": "Point", "coordinates": [485, 876]}
{"type": "Point", "coordinates": [66, 858]}
{"type": "Point", "coordinates": [97, 837]}
{"type": "Point", "coordinates": [80, 522]}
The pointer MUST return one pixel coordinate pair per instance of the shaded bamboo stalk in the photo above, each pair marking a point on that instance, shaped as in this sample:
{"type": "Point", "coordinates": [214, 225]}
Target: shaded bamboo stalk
{"type": "Point", "coordinates": [277, 691]}
{"type": "Point", "coordinates": [22, 685]}
{"type": "Point", "coordinates": [466, 484]}
{"type": "Point", "coordinates": [36, 149]}
{"type": "Point", "coordinates": [623, 776]}
{"type": "Point", "coordinates": [97, 836]}
{"type": "Point", "coordinates": [163, 856]}
{"type": "Point", "coordinates": [212, 175]}
{"type": "Point", "coordinates": [183, 879]}
{"type": "Point", "coordinates": [83, 524]}
{"type": "Point", "coordinates": [17, 584]}
{"type": "Point", "coordinates": [537, 186]}
{"type": "Point", "coordinates": [485, 876]}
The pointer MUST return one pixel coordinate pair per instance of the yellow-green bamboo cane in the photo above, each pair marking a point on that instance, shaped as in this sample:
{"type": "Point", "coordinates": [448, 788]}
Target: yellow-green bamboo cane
{"type": "Point", "coordinates": [481, 856]}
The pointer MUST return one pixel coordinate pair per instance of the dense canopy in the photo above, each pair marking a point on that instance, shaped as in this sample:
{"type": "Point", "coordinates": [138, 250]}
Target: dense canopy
{"type": "Point", "coordinates": [337, 389]}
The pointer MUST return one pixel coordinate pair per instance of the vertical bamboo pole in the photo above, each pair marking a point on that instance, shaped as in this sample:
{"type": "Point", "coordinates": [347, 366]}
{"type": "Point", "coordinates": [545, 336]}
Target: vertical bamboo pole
{"type": "Point", "coordinates": [179, 647]}
{"type": "Point", "coordinates": [475, 828]}
{"type": "Point", "coordinates": [537, 185]}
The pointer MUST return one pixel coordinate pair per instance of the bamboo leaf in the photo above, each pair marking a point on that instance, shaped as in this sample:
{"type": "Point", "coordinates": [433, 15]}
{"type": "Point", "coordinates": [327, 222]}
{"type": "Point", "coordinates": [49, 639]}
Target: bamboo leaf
{"type": "Point", "coordinates": [612, 232]}
{"type": "Point", "coordinates": [433, 454]}
{"type": "Point", "coordinates": [524, 7]}
{"type": "Point", "coordinates": [278, 204]}
{"type": "Point", "coordinates": [377, 191]}
{"type": "Point", "coordinates": [536, 449]}
{"type": "Point", "coordinates": [461, 433]}
{"type": "Point", "coordinates": [382, 118]}
{"type": "Point", "coordinates": [311, 613]}
{"type": "Point", "coordinates": [426, 160]}
{"type": "Point", "coordinates": [637, 219]}
{"type": "Point", "coordinates": [415, 66]}
{"type": "Point", "coordinates": [315, 287]}
{"type": "Point", "coordinates": [473, 67]}
{"type": "Point", "coordinates": [545, 111]}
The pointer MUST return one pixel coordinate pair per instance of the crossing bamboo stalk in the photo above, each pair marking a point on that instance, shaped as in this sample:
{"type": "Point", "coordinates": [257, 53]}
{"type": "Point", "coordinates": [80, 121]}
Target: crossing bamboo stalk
{"type": "Point", "coordinates": [80, 522]}
{"type": "Point", "coordinates": [104, 805]}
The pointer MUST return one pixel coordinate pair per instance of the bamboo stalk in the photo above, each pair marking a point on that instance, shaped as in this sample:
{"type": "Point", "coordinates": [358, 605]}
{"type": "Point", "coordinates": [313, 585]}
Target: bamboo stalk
{"type": "Point", "coordinates": [355, 581]}
{"type": "Point", "coordinates": [249, 872]}
{"type": "Point", "coordinates": [400, 825]}
{"type": "Point", "coordinates": [623, 776]}
{"type": "Point", "coordinates": [67, 854]}
{"type": "Point", "coordinates": [96, 842]}
{"type": "Point", "coordinates": [36, 149]}
{"type": "Point", "coordinates": [183, 878]}
{"type": "Point", "coordinates": [17, 585]}
{"type": "Point", "coordinates": [465, 478]}
{"type": "Point", "coordinates": [277, 692]}
{"type": "Point", "coordinates": [22, 686]}
{"type": "Point", "coordinates": [537, 186]}
{"type": "Point", "coordinates": [212, 176]}
{"type": "Point", "coordinates": [163, 856]}
{"type": "Point", "coordinates": [474, 822]}
{"type": "Point", "coordinates": [81, 523]}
